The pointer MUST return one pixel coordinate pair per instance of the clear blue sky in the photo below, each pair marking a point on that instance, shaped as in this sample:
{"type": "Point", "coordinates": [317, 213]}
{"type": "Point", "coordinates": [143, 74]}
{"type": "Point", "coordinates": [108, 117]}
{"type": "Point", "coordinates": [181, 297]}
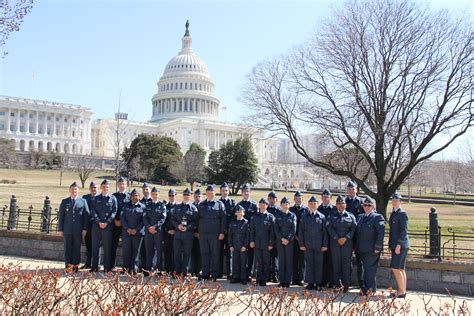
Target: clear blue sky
{"type": "Point", "coordinates": [85, 52]}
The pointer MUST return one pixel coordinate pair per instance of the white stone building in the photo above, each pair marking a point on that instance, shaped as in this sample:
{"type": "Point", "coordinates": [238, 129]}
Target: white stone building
{"type": "Point", "coordinates": [45, 126]}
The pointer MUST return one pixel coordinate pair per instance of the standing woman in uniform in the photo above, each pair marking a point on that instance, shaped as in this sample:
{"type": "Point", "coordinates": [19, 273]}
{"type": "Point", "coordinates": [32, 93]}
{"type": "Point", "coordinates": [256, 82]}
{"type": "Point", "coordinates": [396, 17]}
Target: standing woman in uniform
{"type": "Point", "coordinates": [398, 243]}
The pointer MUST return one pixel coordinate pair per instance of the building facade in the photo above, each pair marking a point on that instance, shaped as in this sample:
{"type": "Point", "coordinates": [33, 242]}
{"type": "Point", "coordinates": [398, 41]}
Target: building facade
{"type": "Point", "coordinates": [35, 125]}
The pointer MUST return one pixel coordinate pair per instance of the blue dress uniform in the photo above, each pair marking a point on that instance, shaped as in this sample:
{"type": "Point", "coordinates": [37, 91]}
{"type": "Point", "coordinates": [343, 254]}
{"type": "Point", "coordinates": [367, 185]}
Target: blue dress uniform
{"type": "Point", "coordinates": [146, 200]}
{"type": "Point", "coordinates": [239, 236]}
{"type": "Point", "coordinates": [263, 235]}
{"type": "Point", "coordinates": [313, 236]}
{"type": "Point", "coordinates": [224, 259]}
{"type": "Point", "coordinates": [168, 256]}
{"type": "Point", "coordinates": [104, 208]}
{"type": "Point", "coordinates": [88, 239]}
{"type": "Point", "coordinates": [132, 218]}
{"type": "Point", "coordinates": [328, 274]}
{"type": "Point", "coordinates": [354, 206]}
{"type": "Point", "coordinates": [186, 215]}
{"type": "Point", "coordinates": [196, 252]}
{"type": "Point", "coordinates": [212, 222]}
{"type": "Point", "coordinates": [275, 210]}
{"type": "Point", "coordinates": [154, 215]}
{"type": "Point", "coordinates": [341, 225]}
{"type": "Point", "coordinates": [398, 236]}
{"type": "Point", "coordinates": [298, 255]}
{"type": "Point", "coordinates": [73, 216]}
{"type": "Point", "coordinates": [369, 239]}
{"type": "Point", "coordinates": [285, 227]}
{"type": "Point", "coordinates": [122, 198]}
{"type": "Point", "coordinates": [251, 208]}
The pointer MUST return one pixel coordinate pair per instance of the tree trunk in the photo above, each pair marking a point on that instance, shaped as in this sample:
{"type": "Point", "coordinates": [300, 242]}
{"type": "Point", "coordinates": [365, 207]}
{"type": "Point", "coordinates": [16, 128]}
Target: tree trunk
{"type": "Point", "coordinates": [382, 204]}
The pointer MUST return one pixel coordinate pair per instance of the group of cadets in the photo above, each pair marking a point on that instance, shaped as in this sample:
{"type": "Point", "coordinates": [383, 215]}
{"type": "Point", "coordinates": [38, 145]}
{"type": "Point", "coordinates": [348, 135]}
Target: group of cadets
{"type": "Point", "coordinates": [212, 237]}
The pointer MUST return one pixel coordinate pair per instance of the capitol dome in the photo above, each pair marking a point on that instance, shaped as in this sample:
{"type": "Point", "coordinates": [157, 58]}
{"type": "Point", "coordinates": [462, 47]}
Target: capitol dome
{"type": "Point", "coordinates": [185, 89]}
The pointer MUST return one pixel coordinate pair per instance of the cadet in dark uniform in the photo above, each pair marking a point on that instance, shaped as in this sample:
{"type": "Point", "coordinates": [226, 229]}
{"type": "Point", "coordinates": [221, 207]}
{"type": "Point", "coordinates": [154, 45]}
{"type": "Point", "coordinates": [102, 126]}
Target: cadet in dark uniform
{"type": "Point", "coordinates": [133, 230]}
{"type": "Point", "coordinates": [104, 208]}
{"type": "Point", "coordinates": [262, 240]}
{"type": "Point", "coordinates": [314, 242]}
{"type": "Point", "coordinates": [354, 206]}
{"type": "Point", "coordinates": [341, 227]}
{"type": "Point", "coordinates": [326, 208]}
{"type": "Point", "coordinates": [239, 236]}
{"type": "Point", "coordinates": [399, 244]}
{"type": "Point", "coordinates": [250, 208]}
{"type": "Point", "coordinates": [285, 230]}
{"type": "Point", "coordinates": [184, 220]}
{"type": "Point", "coordinates": [229, 205]}
{"type": "Point", "coordinates": [196, 252]}
{"type": "Point", "coordinates": [146, 200]}
{"type": "Point", "coordinates": [88, 239]}
{"type": "Point", "coordinates": [72, 225]}
{"type": "Point", "coordinates": [212, 224]}
{"type": "Point", "coordinates": [122, 197]}
{"type": "Point", "coordinates": [298, 256]}
{"type": "Point", "coordinates": [275, 210]}
{"type": "Point", "coordinates": [154, 220]}
{"type": "Point", "coordinates": [369, 242]}
{"type": "Point", "coordinates": [168, 256]}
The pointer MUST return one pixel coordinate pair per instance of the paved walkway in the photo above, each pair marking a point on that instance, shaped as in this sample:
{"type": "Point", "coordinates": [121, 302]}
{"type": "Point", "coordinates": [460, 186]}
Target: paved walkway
{"type": "Point", "coordinates": [417, 299]}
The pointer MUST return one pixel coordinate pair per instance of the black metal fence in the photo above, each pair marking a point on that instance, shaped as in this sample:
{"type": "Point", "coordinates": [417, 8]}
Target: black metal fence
{"type": "Point", "coordinates": [29, 218]}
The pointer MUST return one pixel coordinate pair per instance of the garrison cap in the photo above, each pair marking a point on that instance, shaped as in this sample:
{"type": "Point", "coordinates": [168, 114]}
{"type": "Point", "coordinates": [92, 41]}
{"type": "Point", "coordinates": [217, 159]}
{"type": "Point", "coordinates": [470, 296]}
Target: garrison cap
{"type": "Point", "coordinates": [351, 184]}
{"type": "Point", "coordinates": [298, 193]}
{"type": "Point", "coordinates": [272, 195]}
{"type": "Point", "coordinates": [105, 182]}
{"type": "Point", "coordinates": [224, 185]}
{"type": "Point", "coordinates": [340, 199]}
{"type": "Point", "coordinates": [396, 196]}
{"type": "Point", "coordinates": [172, 191]}
{"type": "Point", "coordinates": [326, 192]}
{"type": "Point", "coordinates": [369, 200]}
{"type": "Point", "coordinates": [239, 208]}
{"type": "Point", "coordinates": [210, 188]}
{"type": "Point", "coordinates": [313, 199]}
{"type": "Point", "coordinates": [93, 184]}
{"type": "Point", "coordinates": [134, 191]}
{"type": "Point", "coordinates": [197, 192]}
{"type": "Point", "coordinates": [74, 185]}
{"type": "Point", "coordinates": [246, 186]}
{"type": "Point", "coordinates": [155, 189]}
{"type": "Point", "coordinates": [145, 185]}
{"type": "Point", "coordinates": [121, 180]}
{"type": "Point", "coordinates": [187, 191]}
{"type": "Point", "coordinates": [263, 201]}
{"type": "Point", "coordinates": [284, 200]}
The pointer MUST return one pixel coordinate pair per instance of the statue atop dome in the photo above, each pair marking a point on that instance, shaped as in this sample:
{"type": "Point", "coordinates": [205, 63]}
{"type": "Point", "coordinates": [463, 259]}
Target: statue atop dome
{"type": "Point", "coordinates": [187, 28]}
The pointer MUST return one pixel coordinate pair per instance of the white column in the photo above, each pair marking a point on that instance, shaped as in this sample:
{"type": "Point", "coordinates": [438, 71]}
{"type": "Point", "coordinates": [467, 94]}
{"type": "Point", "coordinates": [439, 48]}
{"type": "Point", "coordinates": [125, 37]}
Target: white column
{"type": "Point", "coordinates": [27, 125]}
{"type": "Point", "coordinates": [218, 140]}
{"type": "Point", "coordinates": [8, 120]}
{"type": "Point", "coordinates": [37, 122]}
{"type": "Point", "coordinates": [18, 122]}
{"type": "Point", "coordinates": [54, 126]}
{"type": "Point", "coordinates": [45, 125]}
{"type": "Point", "coordinates": [62, 126]}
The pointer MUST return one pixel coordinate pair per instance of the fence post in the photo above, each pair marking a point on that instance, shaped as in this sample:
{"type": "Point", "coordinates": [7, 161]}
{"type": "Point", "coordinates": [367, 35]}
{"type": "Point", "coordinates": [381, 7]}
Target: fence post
{"type": "Point", "coordinates": [46, 216]}
{"type": "Point", "coordinates": [434, 234]}
{"type": "Point", "coordinates": [12, 215]}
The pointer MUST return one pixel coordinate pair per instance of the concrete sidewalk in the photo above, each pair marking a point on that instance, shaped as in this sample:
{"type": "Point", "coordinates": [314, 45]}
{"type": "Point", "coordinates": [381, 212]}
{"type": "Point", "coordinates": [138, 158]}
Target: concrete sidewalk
{"type": "Point", "coordinates": [416, 299]}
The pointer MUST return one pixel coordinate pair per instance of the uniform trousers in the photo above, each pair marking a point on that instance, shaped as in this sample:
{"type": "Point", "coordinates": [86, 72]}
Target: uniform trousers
{"type": "Point", "coordinates": [72, 249]}
{"type": "Point", "coordinates": [154, 247]}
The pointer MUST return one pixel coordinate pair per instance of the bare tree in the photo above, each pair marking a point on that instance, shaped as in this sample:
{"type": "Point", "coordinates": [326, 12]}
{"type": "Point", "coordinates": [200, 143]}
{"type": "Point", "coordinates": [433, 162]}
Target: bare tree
{"type": "Point", "coordinates": [85, 166]}
{"type": "Point", "coordinates": [387, 83]}
{"type": "Point", "coordinates": [7, 153]}
{"type": "Point", "coordinates": [12, 13]}
{"type": "Point", "coordinates": [117, 142]}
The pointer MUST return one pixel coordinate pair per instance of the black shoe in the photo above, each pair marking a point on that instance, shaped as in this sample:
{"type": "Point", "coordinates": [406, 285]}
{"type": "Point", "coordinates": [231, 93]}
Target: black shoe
{"type": "Point", "coordinates": [93, 270]}
{"type": "Point", "coordinates": [214, 279]}
{"type": "Point", "coordinates": [262, 283]}
{"type": "Point", "coordinates": [310, 286]}
{"type": "Point", "coordinates": [85, 266]}
{"type": "Point", "coordinates": [233, 281]}
{"type": "Point", "coordinates": [243, 282]}
{"type": "Point", "coordinates": [229, 277]}
{"type": "Point", "coordinates": [274, 280]}
{"type": "Point", "coordinates": [345, 289]}
{"type": "Point", "coordinates": [286, 284]}
{"type": "Point", "coordinates": [298, 283]}
{"type": "Point", "coordinates": [281, 284]}
{"type": "Point", "coordinates": [318, 288]}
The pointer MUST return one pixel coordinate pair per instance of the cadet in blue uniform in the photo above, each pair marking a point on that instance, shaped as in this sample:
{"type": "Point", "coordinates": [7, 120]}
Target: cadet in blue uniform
{"type": "Point", "coordinates": [104, 208]}
{"type": "Point", "coordinates": [354, 206]}
{"type": "Point", "coordinates": [133, 230]}
{"type": "Point", "coordinates": [369, 242]}
{"type": "Point", "coordinates": [341, 227]}
{"type": "Point", "coordinates": [239, 236]}
{"type": "Point", "coordinates": [314, 242]}
{"type": "Point", "coordinates": [122, 197]}
{"type": "Point", "coordinates": [212, 224]}
{"type": "Point", "coordinates": [88, 239]}
{"type": "Point", "coordinates": [285, 230]}
{"type": "Point", "coordinates": [275, 210]}
{"type": "Point", "coordinates": [262, 240]}
{"type": "Point", "coordinates": [146, 200]}
{"type": "Point", "coordinates": [399, 244]}
{"type": "Point", "coordinates": [326, 208]}
{"type": "Point", "coordinates": [154, 220]}
{"type": "Point", "coordinates": [196, 252]}
{"type": "Point", "coordinates": [250, 208]}
{"type": "Point", "coordinates": [72, 225]}
{"type": "Point", "coordinates": [229, 205]}
{"type": "Point", "coordinates": [168, 256]}
{"type": "Point", "coordinates": [184, 220]}
{"type": "Point", "coordinates": [298, 256]}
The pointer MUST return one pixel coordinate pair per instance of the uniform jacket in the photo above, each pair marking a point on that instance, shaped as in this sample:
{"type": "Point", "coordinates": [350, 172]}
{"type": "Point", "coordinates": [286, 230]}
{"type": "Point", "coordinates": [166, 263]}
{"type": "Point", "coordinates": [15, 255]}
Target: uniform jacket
{"type": "Point", "coordinates": [370, 232]}
{"type": "Point", "coordinates": [169, 212]}
{"type": "Point", "coordinates": [229, 206]}
{"type": "Point", "coordinates": [155, 215]}
{"type": "Point", "coordinates": [73, 216]}
{"type": "Point", "coordinates": [186, 214]}
{"type": "Point", "coordinates": [262, 230]}
{"type": "Point", "coordinates": [146, 200]}
{"type": "Point", "coordinates": [398, 229]}
{"type": "Point", "coordinates": [354, 206]}
{"type": "Point", "coordinates": [122, 198]}
{"type": "Point", "coordinates": [298, 210]}
{"type": "Point", "coordinates": [239, 234]}
{"type": "Point", "coordinates": [285, 226]}
{"type": "Point", "coordinates": [341, 225]}
{"type": "Point", "coordinates": [212, 217]}
{"type": "Point", "coordinates": [327, 210]}
{"type": "Point", "coordinates": [312, 234]}
{"type": "Point", "coordinates": [132, 217]}
{"type": "Point", "coordinates": [104, 209]}
{"type": "Point", "coordinates": [250, 208]}
{"type": "Point", "coordinates": [89, 198]}
{"type": "Point", "coordinates": [275, 210]}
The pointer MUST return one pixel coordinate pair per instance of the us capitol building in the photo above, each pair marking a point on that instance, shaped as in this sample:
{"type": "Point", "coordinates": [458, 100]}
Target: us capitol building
{"type": "Point", "coordinates": [184, 108]}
